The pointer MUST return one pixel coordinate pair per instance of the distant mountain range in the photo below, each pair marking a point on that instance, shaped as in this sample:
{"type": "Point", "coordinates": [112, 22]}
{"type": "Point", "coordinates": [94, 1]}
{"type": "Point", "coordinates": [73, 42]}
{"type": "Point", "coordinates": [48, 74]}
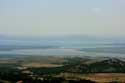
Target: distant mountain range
{"type": "Point", "coordinates": [57, 40]}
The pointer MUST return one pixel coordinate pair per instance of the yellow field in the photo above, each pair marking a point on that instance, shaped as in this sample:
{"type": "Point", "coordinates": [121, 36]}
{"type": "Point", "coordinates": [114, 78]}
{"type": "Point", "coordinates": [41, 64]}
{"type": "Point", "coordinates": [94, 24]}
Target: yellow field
{"type": "Point", "coordinates": [106, 77]}
{"type": "Point", "coordinates": [40, 65]}
{"type": "Point", "coordinates": [97, 77]}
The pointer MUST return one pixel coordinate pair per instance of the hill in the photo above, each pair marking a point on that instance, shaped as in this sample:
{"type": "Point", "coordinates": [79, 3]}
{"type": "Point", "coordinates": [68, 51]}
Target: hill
{"type": "Point", "coordinates": [104, 66]}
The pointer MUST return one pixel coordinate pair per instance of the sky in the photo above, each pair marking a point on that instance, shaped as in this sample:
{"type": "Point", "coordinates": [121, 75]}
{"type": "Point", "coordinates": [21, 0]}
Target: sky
{"type": "Point", "coordinates": [36, 18]}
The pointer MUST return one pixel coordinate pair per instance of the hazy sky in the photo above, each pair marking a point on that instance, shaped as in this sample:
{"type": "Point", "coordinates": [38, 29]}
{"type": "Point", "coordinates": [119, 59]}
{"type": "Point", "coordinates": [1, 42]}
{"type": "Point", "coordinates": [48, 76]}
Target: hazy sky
{"type": "Point", "coordinates": [62, 17]}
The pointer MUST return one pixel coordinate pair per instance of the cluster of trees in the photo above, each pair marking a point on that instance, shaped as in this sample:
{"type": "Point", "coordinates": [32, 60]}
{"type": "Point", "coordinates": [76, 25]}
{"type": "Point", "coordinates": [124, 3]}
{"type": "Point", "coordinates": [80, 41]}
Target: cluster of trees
{"type": "Point", "coordinates": [46, 70]}
{"type": "Point", "coordinates": [109, 66]}
{"type": "Point", "coordinates": [14, 78]}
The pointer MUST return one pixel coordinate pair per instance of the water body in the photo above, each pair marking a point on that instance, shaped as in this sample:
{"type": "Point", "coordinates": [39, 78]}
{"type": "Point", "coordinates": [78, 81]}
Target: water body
{"type": "Point", "coordinates": [110, 50]}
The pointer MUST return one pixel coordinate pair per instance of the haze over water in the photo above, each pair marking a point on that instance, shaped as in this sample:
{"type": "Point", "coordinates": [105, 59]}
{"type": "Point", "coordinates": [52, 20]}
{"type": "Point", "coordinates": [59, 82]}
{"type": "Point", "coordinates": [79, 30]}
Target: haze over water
{"type": "Point", "coordinates": [66, 27]}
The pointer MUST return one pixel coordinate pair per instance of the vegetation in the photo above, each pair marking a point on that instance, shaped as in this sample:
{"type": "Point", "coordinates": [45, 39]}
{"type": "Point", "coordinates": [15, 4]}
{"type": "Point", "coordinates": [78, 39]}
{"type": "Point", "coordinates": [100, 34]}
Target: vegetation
{"type": "Point", "coordinates": [10, 73]}
{"type": "Point", "coordinates": [46, 70]}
